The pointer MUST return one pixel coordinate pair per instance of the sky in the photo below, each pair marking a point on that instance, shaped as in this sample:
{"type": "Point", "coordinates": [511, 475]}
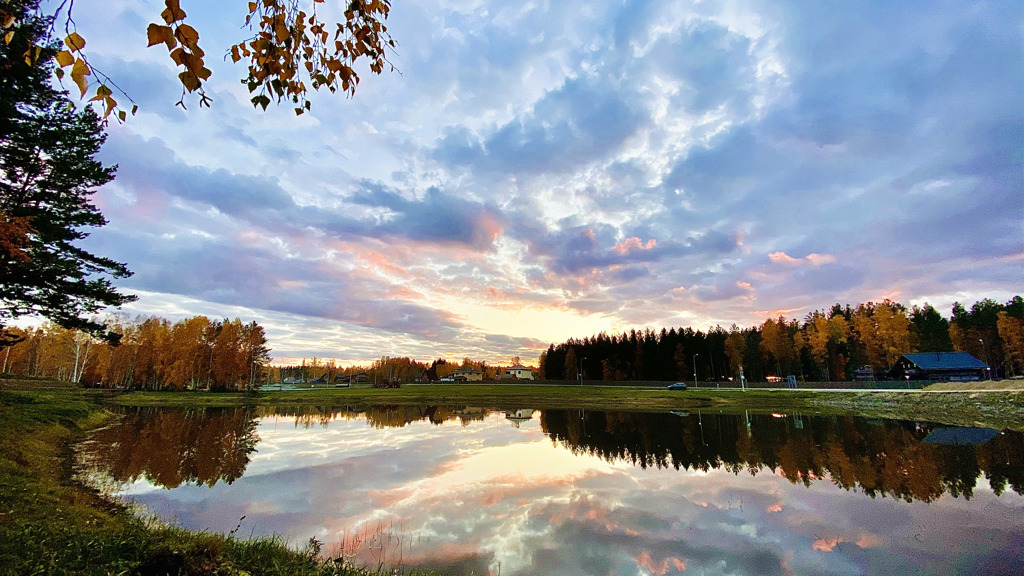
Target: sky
{"type": "Point", "coordinates": [535, 171]}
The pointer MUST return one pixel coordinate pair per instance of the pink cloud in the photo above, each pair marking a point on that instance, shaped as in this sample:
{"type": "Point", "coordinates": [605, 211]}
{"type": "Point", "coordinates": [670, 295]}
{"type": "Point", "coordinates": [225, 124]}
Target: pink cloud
{"type": "Point", "coordinates": [826, 544]}
{"type": "Point", "coordinates": [813, 259]}
{"type": "Point", "coordinates": [488, 228]}
{"type": "Point", "coordinates": [633, 243]}
{"type": "Point", "coordinates": [783, 258]}
{"type": "Point", "coordinates": [776, 313]}
{"type": "Point", "coordinates": [644, 560]}
{"type": "Point", "coordinates": [820, 259]}
{"type": "Point", "coordinates": [869, 540]}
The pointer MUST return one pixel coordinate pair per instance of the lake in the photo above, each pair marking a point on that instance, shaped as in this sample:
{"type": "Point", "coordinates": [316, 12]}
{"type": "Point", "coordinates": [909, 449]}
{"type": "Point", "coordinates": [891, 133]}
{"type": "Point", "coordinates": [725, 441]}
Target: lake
{"type": "Point", "coordinates": [474, 491]}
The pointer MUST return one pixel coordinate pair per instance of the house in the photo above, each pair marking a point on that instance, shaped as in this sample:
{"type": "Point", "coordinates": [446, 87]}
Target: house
{"type": "Point", "coordinates": [468, 375]}
{"type": "Point", "coordinates": [960, 436]}
{"type": "Point", "coordinates": [942, 366]}
{"type": "Point", "coordinates": [351, 378]}
{"type": "Point", "coordinates": [520, 372]}
{"type": "Point", "coordinates": [517, 417]}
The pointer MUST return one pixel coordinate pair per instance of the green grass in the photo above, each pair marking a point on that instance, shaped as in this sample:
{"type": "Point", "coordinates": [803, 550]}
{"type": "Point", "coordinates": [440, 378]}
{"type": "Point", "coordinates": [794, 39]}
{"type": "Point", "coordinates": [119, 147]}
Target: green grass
{"type": "Point", "coordinates": [487, 395]}
{"type": "Point", "coordinates": [51, 524]}
{"type": "Point", "coordinates": [1001, 410]}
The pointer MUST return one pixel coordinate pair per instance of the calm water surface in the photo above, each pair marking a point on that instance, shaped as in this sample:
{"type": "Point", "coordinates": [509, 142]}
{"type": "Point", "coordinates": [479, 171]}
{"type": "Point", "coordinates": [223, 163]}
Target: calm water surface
{"type": "Point", "coordinates": [470, 491]}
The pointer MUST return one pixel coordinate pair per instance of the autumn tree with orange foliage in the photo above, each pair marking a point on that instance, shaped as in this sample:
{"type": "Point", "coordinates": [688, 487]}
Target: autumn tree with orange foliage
{"type": "Point", "coordinates": [154, 354]}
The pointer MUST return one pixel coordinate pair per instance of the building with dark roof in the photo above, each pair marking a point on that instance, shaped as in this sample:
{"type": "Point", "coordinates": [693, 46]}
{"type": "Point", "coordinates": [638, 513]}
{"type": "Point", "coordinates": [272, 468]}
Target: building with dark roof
{"type": "Point", "coordinates": [941, 366]}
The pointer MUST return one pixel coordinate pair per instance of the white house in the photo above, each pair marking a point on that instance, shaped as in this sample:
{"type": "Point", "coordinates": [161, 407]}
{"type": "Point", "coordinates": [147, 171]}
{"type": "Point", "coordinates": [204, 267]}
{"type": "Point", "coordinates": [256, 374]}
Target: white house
{"type": "Point", "coordinates": [520, 372]}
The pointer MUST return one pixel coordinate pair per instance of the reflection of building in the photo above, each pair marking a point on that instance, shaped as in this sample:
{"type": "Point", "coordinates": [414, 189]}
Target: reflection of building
{"type": "Point", "coordinates": [519, 416]}
{"type": "Point", "coordinates": [468, 375]}
{"type": "Point", "coordinates": [960, 436]}
{"type": "Point", "coordinates": [946, 366]}
{"type": "Point", "coordinates": [520, 372]}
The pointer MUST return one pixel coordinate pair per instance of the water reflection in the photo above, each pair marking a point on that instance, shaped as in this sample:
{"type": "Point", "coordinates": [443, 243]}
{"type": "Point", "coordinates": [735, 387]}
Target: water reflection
{"type": "Point", "coordinates": [567, 492]}
{"type": "Point", "coordinates": [173, 447]}
{"type": "Point", "coordinates": [880, 457]}
{"type": "Point", "coordinates": [906, 460]}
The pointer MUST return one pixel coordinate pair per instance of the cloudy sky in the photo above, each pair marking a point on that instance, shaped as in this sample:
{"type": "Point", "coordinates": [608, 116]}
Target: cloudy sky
{"type": "Point", "coordinates": [543, 170]}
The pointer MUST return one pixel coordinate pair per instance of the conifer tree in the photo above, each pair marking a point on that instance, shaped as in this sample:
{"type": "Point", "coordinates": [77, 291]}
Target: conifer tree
{"type": "Point", "coordinates": [48, 172]}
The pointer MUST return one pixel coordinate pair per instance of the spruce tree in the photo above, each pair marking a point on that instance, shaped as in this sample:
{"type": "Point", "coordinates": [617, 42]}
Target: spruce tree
{"type": "Point", "coordinates": [48, 172]}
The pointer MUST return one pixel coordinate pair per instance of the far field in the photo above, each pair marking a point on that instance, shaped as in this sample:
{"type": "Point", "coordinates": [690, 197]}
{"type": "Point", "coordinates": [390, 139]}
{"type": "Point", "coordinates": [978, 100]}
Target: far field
{"type": "Point", "coordinates": [1000, 407]}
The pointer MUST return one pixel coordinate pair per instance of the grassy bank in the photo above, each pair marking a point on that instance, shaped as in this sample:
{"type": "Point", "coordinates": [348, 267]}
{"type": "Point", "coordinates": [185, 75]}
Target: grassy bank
{"type": "Point", "coordinates": [51, 524]}
{"type": "Point", "coordinates": [1001, 410]}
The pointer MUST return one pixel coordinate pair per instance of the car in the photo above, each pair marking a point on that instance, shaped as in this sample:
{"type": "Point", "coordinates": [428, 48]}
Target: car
{"type": "Point", "coordinates": [677, 386]}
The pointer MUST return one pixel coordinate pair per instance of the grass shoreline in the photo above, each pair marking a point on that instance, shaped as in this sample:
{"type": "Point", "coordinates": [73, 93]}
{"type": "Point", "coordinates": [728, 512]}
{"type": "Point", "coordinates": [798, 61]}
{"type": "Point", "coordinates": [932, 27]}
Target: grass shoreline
{"type": "Point", "coordinates": [1002, 409]}
{"type": "Point", "coordinates": [51, 523]}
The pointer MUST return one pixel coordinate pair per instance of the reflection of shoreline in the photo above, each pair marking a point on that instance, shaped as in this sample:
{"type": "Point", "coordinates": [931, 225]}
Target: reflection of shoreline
{"type": "Point", "coordinates": [889, 458]}
{"type": "Point", "coordinates": [468, 500]}
{"type": "Point", "coordinates": [878, 457]}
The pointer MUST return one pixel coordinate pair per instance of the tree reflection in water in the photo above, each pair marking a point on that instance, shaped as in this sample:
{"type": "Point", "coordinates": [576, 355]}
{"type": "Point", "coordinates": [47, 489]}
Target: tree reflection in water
{"type": "Point", "coordinates": [878, 457]}
{"type": "Point", "coordinates": [171, 447]}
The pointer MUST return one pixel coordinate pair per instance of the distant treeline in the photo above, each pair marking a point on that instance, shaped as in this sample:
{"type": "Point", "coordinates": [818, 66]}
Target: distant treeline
{"type": "Point", "coordinates": [826, 345]}
{"type": "Point", "coordinates": [153, 354]}
{"type": "Point", "coordinates": [387, 369]}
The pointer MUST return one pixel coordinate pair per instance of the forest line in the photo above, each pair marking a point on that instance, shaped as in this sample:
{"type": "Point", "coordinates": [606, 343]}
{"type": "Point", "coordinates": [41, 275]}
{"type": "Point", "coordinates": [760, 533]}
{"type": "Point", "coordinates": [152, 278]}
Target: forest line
{"type": "Point", "coordinates": [828, 345]}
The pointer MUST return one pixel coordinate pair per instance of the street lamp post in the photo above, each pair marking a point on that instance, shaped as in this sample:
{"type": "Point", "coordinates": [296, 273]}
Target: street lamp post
{"type": "Point", "coordinates": [984, 352]}
{"type": "Point", "coordinates": [580, 373]}
{"type": "Point", "coordinates": [695, 369]}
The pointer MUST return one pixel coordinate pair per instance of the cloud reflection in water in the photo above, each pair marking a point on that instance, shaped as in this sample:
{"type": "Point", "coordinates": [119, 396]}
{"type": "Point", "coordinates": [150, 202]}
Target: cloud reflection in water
{"type": "Point", "coordinates": [561, 495]}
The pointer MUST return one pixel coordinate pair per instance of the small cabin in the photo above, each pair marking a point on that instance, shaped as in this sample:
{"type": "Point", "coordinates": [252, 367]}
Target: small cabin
{"type": "Point", "coordinates": [941, 366]}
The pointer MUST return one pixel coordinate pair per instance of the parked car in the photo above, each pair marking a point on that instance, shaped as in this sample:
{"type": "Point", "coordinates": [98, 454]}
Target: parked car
{"type": "Point", "coordinates": [677, 386]}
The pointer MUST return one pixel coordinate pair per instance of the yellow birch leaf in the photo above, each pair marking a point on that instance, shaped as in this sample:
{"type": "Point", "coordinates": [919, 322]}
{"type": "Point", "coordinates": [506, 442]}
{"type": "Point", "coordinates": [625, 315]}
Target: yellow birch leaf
{"type": "Point", "coordinates": [9, 36]}
{"type": "Point", "coordinates": [157, 34]}
{"type": "Point", "coordinates": [75, 41]}
{"type": "Point", "coordinates": [189, 81]}
{"type": "Point", "coordinates": [65, 58]}
{"type": "Point", "coordinates": [187, 35]}
{"type": "Point", "coordinates": [172, 15]}
{"type": "Point", "coordinates": [78, 73]}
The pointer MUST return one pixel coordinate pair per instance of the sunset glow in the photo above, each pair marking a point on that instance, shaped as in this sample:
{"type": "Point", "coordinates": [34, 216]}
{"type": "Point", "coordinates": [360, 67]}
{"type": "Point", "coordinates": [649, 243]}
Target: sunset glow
{"type": "Point", "coordinates": [544, 171]}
